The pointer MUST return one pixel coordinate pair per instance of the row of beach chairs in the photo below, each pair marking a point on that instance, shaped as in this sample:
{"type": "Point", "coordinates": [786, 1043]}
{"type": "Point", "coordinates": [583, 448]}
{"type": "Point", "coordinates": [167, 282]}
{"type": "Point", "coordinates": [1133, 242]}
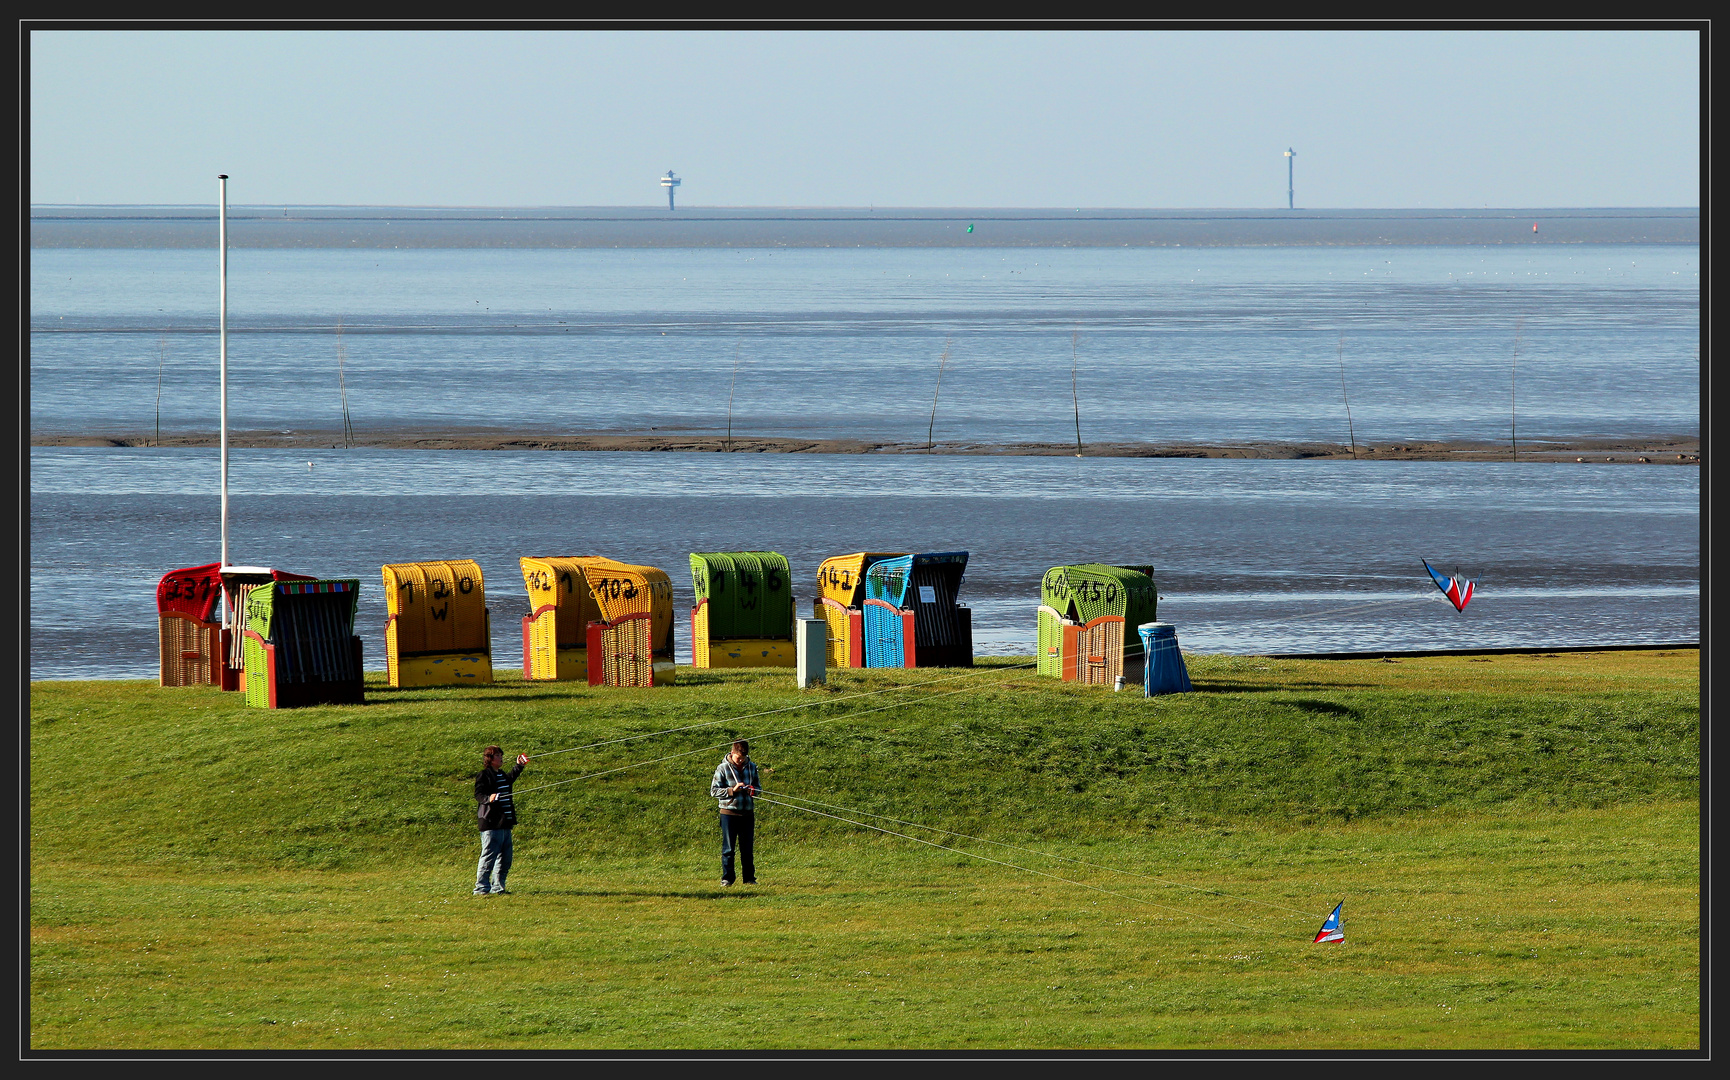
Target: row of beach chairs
{"type": "Point", "coordinates": [289, 639]}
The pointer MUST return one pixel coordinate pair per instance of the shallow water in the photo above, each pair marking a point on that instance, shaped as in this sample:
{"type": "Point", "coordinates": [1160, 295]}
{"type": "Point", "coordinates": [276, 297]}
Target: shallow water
{"type": "Point", "coordinates": [1251, 556]}
{"type": "Point", "coordinates": [1176, 344]}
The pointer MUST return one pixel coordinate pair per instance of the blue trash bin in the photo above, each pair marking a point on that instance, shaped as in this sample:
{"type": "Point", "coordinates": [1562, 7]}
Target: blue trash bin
{"type": "Point", "coordinates": [1164, 673]}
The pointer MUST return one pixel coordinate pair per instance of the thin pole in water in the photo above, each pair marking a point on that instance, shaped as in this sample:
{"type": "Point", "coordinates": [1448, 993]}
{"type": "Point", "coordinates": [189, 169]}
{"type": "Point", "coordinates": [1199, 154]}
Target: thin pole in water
{"type": "Point", "coordinates": [1350, 434]}
{"type": "Point", "coordinates": [342, 385]}
{"type": "Point", "coordinates": [931, 427]}
{"type": "Point", "coordinates": [730, 385]}
{"type": "Point", "coordinates": [162, 359]}
{"type": "Point", "coordinates": [1513, 380]}
{"type": "Point", "coordinates": [1074, 391]}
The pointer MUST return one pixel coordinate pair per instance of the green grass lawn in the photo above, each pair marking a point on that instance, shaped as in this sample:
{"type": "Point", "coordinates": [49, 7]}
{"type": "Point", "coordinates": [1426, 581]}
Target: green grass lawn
{"type": "Point", "coordinates": [1516, 839]}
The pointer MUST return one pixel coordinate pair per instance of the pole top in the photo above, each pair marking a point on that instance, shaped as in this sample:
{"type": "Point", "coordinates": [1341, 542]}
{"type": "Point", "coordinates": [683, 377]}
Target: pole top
{"type": "Point", "coordinates": [222, 176]}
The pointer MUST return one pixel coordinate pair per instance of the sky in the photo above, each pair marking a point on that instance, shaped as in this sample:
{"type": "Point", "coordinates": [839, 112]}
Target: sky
{"type": "Point", "coordinates": [991, 118]}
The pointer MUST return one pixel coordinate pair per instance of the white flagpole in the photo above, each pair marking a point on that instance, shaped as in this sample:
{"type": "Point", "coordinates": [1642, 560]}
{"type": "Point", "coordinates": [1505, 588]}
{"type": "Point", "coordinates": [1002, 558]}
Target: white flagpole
{"type": "Point", "coordinates": [222, 238]}
{"type": "Point", "coordinates": [229, 619]}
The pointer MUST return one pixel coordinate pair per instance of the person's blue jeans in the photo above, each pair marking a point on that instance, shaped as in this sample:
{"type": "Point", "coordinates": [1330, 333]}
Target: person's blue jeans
{"type": "Point", "coordinates": [495, 861]}
{"type": "Point", "coordinates": [738, 834]}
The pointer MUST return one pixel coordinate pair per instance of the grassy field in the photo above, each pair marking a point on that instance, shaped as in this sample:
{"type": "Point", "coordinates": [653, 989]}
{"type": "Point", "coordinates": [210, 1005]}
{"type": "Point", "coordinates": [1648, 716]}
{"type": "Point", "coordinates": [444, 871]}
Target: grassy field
{"type": "Point", "coordinates": [1516, 839]}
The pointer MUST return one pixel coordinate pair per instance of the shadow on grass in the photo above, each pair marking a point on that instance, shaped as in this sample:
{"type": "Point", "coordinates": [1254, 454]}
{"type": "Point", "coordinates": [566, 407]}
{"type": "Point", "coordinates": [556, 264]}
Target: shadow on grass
{"type": "Point", "coordinates": [1232, 686]}
{"type": "Point", "coordinates": [515, 690]}
{"type": "Point", "coordinates": [1330, 708]}
{"type": "Point", "coordinates": [465, 696]}
{"type": "Point", "coordinates": [746, 892]}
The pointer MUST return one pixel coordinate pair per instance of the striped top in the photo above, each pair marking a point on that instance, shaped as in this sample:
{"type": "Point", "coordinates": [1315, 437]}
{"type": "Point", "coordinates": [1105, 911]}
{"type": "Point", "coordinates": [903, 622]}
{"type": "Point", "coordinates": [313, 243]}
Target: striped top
{"type": "Point", "coordinates": [726, 775]}
{"type": "Point", "coordinates": [502, 812]}
{"type": "Point", "coordinates": [503, 790]}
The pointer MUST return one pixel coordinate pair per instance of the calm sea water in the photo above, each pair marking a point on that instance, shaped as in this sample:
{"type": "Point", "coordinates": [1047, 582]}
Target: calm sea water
{"type": "Point", "coordinates": [1251, 556]}
{"type": "Point", "coordinates": [1164, 343]}
{"type": "Point", "coordinates": [1246, 343]}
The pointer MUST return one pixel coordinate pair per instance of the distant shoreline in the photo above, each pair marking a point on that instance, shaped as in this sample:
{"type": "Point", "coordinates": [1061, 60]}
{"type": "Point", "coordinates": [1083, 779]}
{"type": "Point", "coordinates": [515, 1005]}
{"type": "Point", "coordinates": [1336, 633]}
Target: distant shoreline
{"type": "Point", "coordinates": [1664, 450]}
{"type": "Point", "coordinates": [372, 227]}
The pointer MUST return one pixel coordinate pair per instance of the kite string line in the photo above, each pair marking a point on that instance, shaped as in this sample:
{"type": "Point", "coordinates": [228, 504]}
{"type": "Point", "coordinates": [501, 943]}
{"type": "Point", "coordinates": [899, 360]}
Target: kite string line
{"type": "Point", "coordinates": [1015, 866]}
{"type": "Point", "coordinates": [1128, 652]}
{"type": "Point", "coordinates": [897, 705]}
{"type": "Point", "coordinates": [772, 712]}
{"type": "Point", "coordinates": [931, 682]}
{"type": "Point", "coordinates": [784, 731]}
{"type": "Point", "coordinates": [729, 743]}
{"type": "Point", "coordinates": [1355, 607]}
{"type": "Point", "coordinates": [1036, 851]}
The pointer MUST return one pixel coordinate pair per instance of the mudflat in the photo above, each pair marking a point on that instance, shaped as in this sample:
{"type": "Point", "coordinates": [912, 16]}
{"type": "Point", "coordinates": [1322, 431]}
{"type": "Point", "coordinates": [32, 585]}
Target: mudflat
{"type": "Point", "coordinates": [1659, 450]}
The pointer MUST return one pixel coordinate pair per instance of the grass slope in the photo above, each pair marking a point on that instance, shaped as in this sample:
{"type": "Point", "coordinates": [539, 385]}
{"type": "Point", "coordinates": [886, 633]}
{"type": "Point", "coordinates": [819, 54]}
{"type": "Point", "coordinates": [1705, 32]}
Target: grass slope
{"type": "Point", "coordinates": [1516, 838]}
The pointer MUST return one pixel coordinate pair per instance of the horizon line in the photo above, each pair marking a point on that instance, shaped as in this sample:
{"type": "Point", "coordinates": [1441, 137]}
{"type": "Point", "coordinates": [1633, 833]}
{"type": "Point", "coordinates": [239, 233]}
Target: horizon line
{"type": "Point", "coordinates": [870, 208]}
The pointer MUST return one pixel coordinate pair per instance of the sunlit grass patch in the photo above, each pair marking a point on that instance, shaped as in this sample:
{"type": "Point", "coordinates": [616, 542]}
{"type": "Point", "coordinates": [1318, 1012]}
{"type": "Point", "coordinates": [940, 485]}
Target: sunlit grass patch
{"type": "Point", "coordinates": [1517, 850]}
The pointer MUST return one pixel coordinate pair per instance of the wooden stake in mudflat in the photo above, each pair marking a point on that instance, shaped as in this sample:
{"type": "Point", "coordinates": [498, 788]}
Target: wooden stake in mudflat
{"type": "Point", "coordinates": [342, 385]}
{"type": "Point", "coordinates": [931, 427]}
{"type": "Point", "coordinates": [730, 387]}
{"type": "Point", "coordinates": [1074, 392]}
{"type": "Point", "coordinates": [162, 348]}
{"type": "Point", "coordinates": [1513, 376]}
{"type": "Point", "coordinates": [1349, 433]}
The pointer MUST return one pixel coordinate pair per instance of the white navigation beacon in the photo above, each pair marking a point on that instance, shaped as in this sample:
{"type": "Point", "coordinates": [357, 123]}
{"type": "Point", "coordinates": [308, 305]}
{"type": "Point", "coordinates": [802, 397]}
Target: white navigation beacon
{"type": "Point", "coordinates": [670, 182]}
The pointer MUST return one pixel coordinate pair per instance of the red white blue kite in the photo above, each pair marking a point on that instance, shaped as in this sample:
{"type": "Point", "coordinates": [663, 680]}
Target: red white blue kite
{"type": "Point", "coordinates": [1332, 930]}
{"type": "Point", "coordinates": [1456, 589]}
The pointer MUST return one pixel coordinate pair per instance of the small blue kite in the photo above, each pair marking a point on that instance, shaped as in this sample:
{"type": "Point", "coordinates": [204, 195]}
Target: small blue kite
{"type": "Point", "coordinates": [1331, 929]}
